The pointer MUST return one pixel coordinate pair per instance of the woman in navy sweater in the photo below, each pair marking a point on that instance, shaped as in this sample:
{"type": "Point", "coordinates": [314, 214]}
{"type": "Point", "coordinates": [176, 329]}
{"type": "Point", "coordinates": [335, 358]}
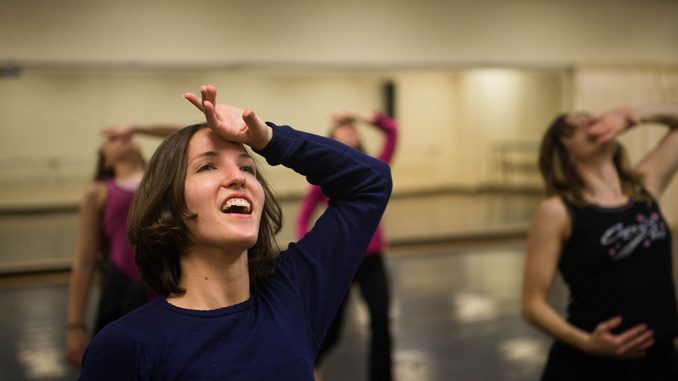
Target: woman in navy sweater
{"type": "Point", "coordinates": [203, 223]}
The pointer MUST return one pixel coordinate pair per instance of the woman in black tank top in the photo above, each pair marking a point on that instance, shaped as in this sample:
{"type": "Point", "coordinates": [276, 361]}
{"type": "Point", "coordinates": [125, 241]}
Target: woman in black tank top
{"type": "Point", "coordinates": [601, 227]}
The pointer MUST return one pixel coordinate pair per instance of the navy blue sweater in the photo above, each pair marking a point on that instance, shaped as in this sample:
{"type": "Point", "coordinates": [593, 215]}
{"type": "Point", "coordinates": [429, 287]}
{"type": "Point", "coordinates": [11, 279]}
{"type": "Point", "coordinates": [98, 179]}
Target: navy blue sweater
{"type": "Point", "coordinates": [275, 334]}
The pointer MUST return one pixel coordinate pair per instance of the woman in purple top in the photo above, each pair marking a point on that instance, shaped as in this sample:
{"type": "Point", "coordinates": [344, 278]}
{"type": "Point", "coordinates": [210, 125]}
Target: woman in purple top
{"type": "Point", "coordinates": [102, 231]}
{"type": "Point", "coordinates": [371, 275]}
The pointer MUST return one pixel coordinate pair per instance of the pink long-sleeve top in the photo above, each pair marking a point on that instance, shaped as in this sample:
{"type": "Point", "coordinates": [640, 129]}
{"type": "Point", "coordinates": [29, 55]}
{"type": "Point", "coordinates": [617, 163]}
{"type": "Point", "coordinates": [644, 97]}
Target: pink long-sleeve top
{"type": "Point", "coordinates": [315, 196]}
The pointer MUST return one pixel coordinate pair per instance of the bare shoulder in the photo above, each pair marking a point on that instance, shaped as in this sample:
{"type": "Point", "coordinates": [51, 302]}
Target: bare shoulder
{"type": "Point", "coordinates": [553, 207]}
{"type": "Point", "coordinates": [552, 215]}
{"type": "Point", "coordinates": [95, 195]}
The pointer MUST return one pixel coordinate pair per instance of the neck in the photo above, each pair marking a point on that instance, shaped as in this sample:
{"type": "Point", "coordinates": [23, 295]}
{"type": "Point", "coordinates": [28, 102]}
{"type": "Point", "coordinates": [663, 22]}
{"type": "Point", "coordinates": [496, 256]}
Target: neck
{"type": "Point", "coordinates": [129, 171]}
{"type": "Point", "coordinates": [213, 279]}
{"type": "Point", "coordinates": [602, 182]}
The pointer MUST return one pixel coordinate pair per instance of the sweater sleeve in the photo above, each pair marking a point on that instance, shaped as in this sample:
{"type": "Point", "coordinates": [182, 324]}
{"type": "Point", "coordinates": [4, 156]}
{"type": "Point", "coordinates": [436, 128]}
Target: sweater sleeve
{"type": "Point", "coordinates": [390, 128]}
{"type": "Point", "coordinates": [319, 268]}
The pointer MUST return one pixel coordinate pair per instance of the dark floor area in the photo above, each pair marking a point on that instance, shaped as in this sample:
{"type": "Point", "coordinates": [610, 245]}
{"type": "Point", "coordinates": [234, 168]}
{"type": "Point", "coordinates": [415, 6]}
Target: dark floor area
{"type": "Point", "coordinates": [455, 316]}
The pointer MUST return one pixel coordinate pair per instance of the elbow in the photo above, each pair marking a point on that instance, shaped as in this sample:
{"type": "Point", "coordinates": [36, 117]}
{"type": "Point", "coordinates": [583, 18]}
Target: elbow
{"type": "Point", "coordinates": [528, 312]}
{"type": "Point", "coordinates": [389, 180]}
{"type": "Point", "coordinates": [385, 177]}
{"type": "Point", "coordinates": [378, 180]}
{"type": "Point", "coordinates": [385, 182]}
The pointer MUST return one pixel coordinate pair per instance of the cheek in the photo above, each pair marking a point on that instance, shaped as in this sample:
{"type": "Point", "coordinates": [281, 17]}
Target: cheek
{"type": "Point", "coordinates": [194, 194]}
{"type": "Point", "coordinates": [108, 151]}
{"type": "Point", "coordinates": [259, 197]}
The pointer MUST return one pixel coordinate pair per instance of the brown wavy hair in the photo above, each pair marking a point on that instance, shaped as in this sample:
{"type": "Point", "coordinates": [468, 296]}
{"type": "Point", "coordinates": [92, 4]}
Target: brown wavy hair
{"type": "Point", "coordinates": [561, 177]}
{"type": "Point", "coordinates": [157, 226]}
{"type": "Point", "coordinates": [101, 171]}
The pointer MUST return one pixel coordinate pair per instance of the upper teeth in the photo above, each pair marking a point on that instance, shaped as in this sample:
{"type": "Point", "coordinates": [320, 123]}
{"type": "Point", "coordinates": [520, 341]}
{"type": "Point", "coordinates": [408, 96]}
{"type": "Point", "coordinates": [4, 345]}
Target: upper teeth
{"type": "Point", "coordinates": [235, 202]}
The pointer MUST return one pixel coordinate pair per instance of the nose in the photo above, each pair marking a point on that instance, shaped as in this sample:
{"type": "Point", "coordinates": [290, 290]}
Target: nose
{"type": "Point", "coordinates": [234, 177]}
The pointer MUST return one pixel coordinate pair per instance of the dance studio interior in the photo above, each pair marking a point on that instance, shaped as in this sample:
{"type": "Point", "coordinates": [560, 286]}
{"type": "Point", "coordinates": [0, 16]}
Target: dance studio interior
{"type": "Point", "coordinates": [471, 85]}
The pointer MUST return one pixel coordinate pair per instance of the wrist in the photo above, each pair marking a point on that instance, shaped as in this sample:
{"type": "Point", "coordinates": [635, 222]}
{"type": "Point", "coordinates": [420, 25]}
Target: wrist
{"type": "Point", "coordinates": [371, 117]}
{"type": "Point", "coordinates": [262, 139]}
{"type": "Point", "coordinates": [583, 341]}
{"type": "Point", "coordinates": [629, 116]}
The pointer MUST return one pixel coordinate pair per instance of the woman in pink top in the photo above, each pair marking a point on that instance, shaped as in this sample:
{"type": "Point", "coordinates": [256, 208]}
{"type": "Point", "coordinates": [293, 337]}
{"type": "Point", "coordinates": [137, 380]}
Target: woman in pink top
{"type": "Point", "coordinates": [102, 234]}
{"type": "Point", "coordinates": [371, 275]}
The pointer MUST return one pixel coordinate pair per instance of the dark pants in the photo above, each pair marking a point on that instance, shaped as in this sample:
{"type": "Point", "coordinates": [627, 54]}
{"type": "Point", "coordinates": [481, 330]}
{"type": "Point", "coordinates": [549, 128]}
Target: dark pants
{"type": "Point", "coordinates": [119, 295]}
{"type": "Point", "coordinates": [371, 278]}
{"type": "Point", "coordinates": [567, 363]}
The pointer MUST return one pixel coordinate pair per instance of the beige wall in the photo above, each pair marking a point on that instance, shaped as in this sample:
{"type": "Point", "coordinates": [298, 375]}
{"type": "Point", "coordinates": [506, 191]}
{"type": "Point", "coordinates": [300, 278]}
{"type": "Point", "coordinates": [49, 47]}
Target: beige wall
{"type": "Point", "coordinates": [92, 64]}
{"type": "Point", "coordinates": [455, 119]}
{"type": "Point", "coordinates": [348, 32]}
{"type": "Point", "coordinates": [54, 117]}
{"type": "Point", "coordinates": [449, 120]}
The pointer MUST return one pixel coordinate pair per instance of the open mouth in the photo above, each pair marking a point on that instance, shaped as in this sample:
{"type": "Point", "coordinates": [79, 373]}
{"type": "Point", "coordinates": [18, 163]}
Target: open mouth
{"type": "Point", "coordinates": [236, 205]}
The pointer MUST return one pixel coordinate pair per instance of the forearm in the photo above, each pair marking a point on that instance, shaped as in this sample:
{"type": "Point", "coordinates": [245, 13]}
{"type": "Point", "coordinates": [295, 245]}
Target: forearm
{"type": "Point", "coordinates": [666, 114]}
{"type": "Point", "coordinates": [543, 316]}
{"type": "Point", "coordinates": [78, 293]}
{"type": "Point", "coordinates": [661, 163]}
{"type": "Point", "coordinates": [341, 172]}
{"type": "Point", "coordinates": [156, 129]}
{"type": "Point", "coordinates": [390, 128]}
{"type": "Point", "coordinates": [322, 264]}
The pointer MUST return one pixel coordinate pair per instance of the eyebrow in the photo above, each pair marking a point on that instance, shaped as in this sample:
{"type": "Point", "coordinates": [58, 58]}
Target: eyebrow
{"type": "Point", "coordinates": [210, 154]}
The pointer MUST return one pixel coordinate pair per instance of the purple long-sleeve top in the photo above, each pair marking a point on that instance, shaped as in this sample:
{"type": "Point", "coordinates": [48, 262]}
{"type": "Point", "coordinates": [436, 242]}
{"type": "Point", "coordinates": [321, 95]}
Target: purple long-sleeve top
{"type": "Point", "coordinates": [315, 196]}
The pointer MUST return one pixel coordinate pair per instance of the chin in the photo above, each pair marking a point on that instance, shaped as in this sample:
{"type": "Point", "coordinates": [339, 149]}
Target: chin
{"type": "Point", "coordinates": [243, 242]}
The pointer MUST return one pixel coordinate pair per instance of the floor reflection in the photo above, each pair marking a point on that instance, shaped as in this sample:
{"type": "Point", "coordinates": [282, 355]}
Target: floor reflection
{"type": "Point", "coordinates": [32, 333]}
{"type": "Point", "coordinates": [455, 317]}
{"type": "Point", "coordinates": [40, 353]}
{"type": "Point", "coordinates": [469, 308]}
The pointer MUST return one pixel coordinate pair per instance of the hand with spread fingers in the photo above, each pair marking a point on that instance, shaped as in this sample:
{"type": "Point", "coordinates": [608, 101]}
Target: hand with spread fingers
{"type": "Point", "coordinates": [632, 343]}
{"type": "Point", "coordinates": [231, 122]}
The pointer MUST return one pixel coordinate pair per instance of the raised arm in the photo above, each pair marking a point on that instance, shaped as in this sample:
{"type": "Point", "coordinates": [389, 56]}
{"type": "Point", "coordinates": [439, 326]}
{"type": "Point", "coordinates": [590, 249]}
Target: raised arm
{"type": "Point", "coordinates": [550, 228]}
{"type": "Point", "coordinates": [160, 130]}
{"type": "Point", "coordinates": [661, 163]}
{"type": "Point", "coordinates": [319, 267]}
{"type": "Point", "coordinates": [82, 270]}
{"type": "Point", "coordinates": [390, 128]}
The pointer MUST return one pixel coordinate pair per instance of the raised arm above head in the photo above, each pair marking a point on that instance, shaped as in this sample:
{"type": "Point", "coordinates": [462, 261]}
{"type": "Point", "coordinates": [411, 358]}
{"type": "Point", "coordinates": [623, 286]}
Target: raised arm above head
{"type": "Point", "coordinates": [151, 129]}
{"type": "Point", "coordinates": [661, 163]}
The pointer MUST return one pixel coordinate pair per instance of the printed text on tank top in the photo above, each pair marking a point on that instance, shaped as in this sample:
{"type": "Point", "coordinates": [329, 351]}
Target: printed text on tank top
{"type": "Point", "coordinates": [621, 240]}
